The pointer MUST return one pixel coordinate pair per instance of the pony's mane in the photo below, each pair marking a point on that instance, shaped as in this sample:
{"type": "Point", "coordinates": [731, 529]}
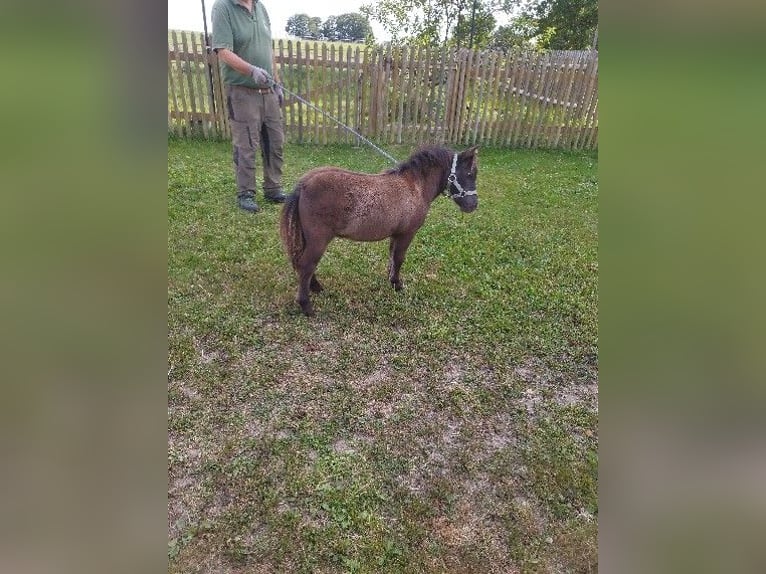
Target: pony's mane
{"type": "Point", "coordinates": [424, 159]}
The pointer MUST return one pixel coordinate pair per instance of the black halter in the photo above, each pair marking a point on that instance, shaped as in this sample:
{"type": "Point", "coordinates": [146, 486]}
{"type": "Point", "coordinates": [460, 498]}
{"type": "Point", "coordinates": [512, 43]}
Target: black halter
{"type": "Point", "coordinates": [452, 181]}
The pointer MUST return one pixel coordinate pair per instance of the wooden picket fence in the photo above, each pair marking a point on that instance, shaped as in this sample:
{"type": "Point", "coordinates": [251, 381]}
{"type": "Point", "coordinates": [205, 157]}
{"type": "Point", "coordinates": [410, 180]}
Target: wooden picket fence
{"type": "Point", "coordinates": [402, 95]}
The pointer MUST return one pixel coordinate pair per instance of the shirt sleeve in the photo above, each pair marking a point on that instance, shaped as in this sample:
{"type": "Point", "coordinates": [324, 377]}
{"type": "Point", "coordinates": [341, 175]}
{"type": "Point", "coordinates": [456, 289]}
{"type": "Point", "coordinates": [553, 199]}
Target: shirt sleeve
{"type": "Point", "coordinates": [223, 36]}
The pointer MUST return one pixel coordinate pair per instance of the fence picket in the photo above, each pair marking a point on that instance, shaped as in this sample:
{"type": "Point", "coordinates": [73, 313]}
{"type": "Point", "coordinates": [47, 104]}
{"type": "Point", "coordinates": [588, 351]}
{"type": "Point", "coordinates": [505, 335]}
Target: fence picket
{"type": "Point", "coordinates": [504, 118]}
{"type": "Point", "coordinates": [586, 104]}
{"type": "Point", "coordinates": [173, 109]}
{"type": "Point", "coordinates": [420, 71]}
{"type": "Point", "coordinates": [533, 104]}
{"type": "Point", "coordinates": [326, 76]}
{"type": "Point", "coordinates": [476, 96]}
{"type": "Point", "coordinates": [521, 123]}
{"type": "Point", "coordinates": [539, 97]}
{"type": "Point", "coordinates": [221, 110]}
{"type": "Point", "coordinates": [342, 93]}
{"type": "Point", "coordinates": [392, 95]}
{"type": "Point", "coordinates": [463, 91]}
{"type": "Point", "coordinates": [318, 92]}
{"type": "Point", "coordinates": [189, 75]}
{"type": "Point", "coordinates": [516, 93]}
{"type": "Point", "coordinates": [544, 98]}
{"type": "Point", "coordinates": [575, 103]}
{"type": "Point", "coordinates": [404, 83]}
{"type": "Point", "coordinates": [453, 82]}
{"type": "Point", "coordinates": [360, 91]}
{"type": "Point", "coordinates": [496, 97]}
{"type": "Point", "coordinates": [439, 109]}
{"type": "Point", "coordinates": [482, 120]}
{"type": "Point", "coordinates": [298, 85]}
{"type": "Point", "coordinates": [373, 73]}
{"type": "Point", "coordinates": [385, 99]}
{"type": "Point", "coordinates": [561, 119]}
{"type": "Point", "coordinates": [592, 114]}
{"type": "Point", "coordinates": [184, 109]}
{"type": "Point", "coordinates": [202, 93]}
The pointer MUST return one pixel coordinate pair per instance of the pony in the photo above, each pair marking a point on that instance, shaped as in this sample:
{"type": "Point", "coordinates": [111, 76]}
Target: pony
{"type": "Point", "coordinates": [329, 202]}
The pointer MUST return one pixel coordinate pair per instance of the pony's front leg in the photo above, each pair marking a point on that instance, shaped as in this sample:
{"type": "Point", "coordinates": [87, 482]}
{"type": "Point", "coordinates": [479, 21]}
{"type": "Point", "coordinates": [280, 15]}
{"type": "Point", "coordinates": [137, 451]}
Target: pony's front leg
{"type": "Point", "coordinates": [397, 249]}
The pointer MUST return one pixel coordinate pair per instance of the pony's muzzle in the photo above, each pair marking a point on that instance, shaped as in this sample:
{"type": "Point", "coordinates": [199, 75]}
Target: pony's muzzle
{"type": "Point", "coordinates": [468, 203]}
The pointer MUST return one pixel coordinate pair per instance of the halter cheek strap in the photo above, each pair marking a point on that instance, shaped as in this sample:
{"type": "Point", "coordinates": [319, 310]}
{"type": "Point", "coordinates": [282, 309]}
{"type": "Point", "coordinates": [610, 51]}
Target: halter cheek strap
{"type": "Point", "coordinates": [452, 180]}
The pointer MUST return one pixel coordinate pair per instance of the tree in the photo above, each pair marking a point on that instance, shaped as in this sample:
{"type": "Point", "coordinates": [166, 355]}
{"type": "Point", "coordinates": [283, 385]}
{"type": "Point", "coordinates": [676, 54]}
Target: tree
{"type": "Point", "coordinates": [304, 26]}
{"type": "Point", "coordinates": [353, 27]}
{"type": "Point", "coordinates": [565, 24]}
{"type": "Point", "coordinates": [315, 26]}
{"type": "Point", "coordinates": [329, 29]}
{"type": "Point", "coordinates": [545, 24]}
{"type": "Point", "coordinates": [427, 22]}
{"type": "Point", "coordinates": [474, 29]}
{"type": "Point", "coordinates": [516, 35]}
{"type": "Point", "coordinates": [298, 25]}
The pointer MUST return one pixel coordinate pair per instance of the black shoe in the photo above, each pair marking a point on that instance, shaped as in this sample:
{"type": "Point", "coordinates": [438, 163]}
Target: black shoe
{"type": "Point", "coordinates": [275, 196]}
{"type": "Point", "coordinates": [246, 202]}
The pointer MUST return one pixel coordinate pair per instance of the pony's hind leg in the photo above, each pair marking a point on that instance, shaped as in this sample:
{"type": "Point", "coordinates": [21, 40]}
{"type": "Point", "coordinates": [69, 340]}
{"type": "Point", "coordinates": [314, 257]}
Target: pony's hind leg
{"type": "Point", "coordinates": [307, 282]}
{"type": "Point", "coordinates": [303, 299]}
{"type": "Point", "coordinates": [315, 285]}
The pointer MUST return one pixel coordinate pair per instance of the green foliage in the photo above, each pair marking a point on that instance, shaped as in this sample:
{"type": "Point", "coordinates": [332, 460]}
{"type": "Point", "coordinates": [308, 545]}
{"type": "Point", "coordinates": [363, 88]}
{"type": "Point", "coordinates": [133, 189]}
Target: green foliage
{"type": "Point", "coordinates": [514, 36]}
{"type": "Point", "coordinates": [329, 29]}
{"type": "Point", "coordinates": [350, 27]}
{"type": "Point", "coordinates": [315, 27]}
{"type": "Point", "coordinates": [298, 25]}
{"type": "Point", "coordinates": [554, 24]}
{"type": "Point", "coordinates": [426, 22]}
{"type": "Point", "coordinates": [474, 29]}
{"type": "Point", "coordinates": [565, 24]}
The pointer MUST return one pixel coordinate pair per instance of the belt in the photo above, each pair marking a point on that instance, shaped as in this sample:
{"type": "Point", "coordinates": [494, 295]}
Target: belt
{"type": "Point", "coordinates": [256, 90]}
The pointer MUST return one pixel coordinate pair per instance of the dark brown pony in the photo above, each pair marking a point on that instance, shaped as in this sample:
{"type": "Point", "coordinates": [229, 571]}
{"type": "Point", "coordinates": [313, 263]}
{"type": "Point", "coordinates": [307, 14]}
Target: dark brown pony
{"type": "Point", "coordinates": [331, 202]}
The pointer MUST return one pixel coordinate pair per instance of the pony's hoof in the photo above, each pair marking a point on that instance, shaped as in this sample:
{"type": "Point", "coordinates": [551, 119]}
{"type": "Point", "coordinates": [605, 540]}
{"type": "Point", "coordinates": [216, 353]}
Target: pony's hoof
{"type": "Point", "coordinates": [307, 309]}
{"type": "Point", "coordinates": [398, 286]}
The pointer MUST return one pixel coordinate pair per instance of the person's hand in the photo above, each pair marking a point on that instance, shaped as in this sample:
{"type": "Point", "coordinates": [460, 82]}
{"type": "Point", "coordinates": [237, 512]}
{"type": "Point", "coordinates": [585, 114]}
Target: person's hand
{"type": "Point", "coordinates": [260, 75]}
{"type": "Point", "coordinates": [280, 94]}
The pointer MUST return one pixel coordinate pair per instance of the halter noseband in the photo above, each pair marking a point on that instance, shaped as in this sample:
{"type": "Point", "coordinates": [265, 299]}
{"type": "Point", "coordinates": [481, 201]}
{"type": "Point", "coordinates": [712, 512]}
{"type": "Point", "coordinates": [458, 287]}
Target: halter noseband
{"type": "Point", "coordinates": [452, 179]}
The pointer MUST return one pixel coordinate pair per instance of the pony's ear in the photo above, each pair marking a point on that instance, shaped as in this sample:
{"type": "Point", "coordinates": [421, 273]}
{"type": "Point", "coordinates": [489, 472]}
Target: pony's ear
{"type": "Point", "coordinates": [471, 154]}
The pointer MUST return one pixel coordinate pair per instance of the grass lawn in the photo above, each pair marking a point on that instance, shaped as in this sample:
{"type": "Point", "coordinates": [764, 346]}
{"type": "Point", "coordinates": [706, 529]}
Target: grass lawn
{"type": "Point", "coordinates": [451, 427]}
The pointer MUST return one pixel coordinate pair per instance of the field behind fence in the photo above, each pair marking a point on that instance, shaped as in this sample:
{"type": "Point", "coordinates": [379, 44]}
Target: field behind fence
{"type": "Point", "coordinates": [402, 95]}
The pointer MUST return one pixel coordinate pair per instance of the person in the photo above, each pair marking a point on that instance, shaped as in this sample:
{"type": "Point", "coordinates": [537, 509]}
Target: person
{"type": "Point", "coordinates": [241, 36]}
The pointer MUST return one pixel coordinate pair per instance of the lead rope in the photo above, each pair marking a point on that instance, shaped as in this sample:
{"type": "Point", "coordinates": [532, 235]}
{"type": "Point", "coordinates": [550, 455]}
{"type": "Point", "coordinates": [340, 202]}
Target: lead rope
{"type": "Point", "coordinates": [341, 124]}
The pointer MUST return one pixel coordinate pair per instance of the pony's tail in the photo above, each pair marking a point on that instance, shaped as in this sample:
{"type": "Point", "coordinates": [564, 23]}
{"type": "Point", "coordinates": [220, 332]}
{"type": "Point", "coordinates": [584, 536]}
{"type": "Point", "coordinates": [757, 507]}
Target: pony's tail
{"type": "Point", "coordinates": [290, 229]}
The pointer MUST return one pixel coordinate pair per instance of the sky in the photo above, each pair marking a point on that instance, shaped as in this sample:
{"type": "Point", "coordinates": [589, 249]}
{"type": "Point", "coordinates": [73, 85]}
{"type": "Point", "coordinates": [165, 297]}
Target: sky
{"type": "Point", "coordinates": [187, 14]}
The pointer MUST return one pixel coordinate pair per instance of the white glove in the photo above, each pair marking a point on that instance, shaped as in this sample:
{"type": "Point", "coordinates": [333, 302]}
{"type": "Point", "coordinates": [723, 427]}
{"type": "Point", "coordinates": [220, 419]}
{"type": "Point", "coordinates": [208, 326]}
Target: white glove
{"type": "Point", "coordinates": [260, 75]}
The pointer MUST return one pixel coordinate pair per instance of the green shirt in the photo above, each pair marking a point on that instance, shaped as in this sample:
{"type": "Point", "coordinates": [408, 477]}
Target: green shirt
{"type": "Point", "coordinates": [246, 34]}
